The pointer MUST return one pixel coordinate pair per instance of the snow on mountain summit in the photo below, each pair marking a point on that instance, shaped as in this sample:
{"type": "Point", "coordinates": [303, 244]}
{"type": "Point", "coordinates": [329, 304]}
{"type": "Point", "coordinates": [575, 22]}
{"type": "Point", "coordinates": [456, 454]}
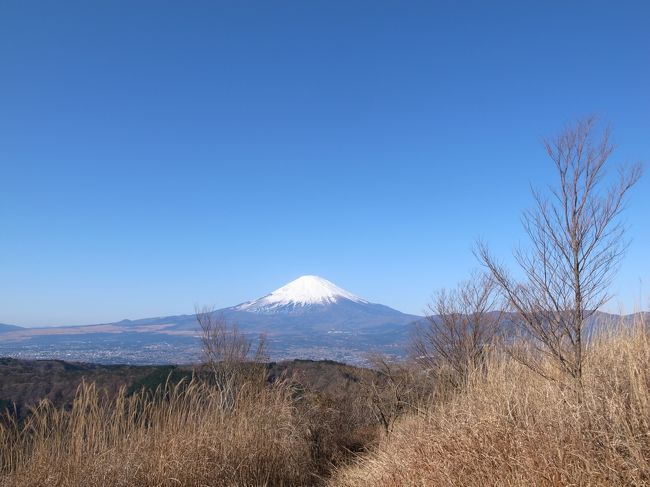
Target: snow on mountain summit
{"type": "Point", "coordinates": [304, 291]}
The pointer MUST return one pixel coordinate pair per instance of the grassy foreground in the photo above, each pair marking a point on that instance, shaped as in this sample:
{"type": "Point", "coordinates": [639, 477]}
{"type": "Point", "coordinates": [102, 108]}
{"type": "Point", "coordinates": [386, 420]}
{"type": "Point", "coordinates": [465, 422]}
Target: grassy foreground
{"type": "Point", "coordinates": [512, 427]}
{"type": "Point", "coordinates": [507, 426]}
{"type": "Point", "coordinates": [289, 424]}
{"type": "Point", "coordinates": [189, 434]}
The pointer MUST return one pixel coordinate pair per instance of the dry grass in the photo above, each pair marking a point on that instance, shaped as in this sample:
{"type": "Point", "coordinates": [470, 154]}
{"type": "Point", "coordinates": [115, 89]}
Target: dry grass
{"type": "Point", "coordinates": [512, 427]}
{"type": "Point", "coordinates": [507, 426]}
{"type": "Point", "coordinates": [180, 435]}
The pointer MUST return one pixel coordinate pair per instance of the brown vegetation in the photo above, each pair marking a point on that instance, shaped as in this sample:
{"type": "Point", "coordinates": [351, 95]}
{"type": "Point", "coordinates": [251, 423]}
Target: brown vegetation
{"type": "Point", "coordinates": [180, 435]}
{"type": "Point", "coordinates": [546, 407]}
{"type": "Point", "coordinates": [510, 426]}
{"type": "Point", "coordinates": [24, 383]}
{"type": "Point", "coordinates": [463, 324]}
{"type": "Point", "coordinates": [291, 429]}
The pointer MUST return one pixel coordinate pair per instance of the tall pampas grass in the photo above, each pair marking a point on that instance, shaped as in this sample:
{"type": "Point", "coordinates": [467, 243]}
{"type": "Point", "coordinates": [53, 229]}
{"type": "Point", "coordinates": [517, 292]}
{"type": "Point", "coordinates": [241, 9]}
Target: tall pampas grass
{"type": "Point", "coordinates": [181, 434]}
{"type": "Point", "coordinates": [509, 426]}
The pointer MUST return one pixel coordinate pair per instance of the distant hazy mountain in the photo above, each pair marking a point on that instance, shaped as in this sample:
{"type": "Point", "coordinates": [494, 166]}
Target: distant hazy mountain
{"type": "Point", "coordinates": [308, 318]}
{"type": "Point", "coordinates": [6, 328]}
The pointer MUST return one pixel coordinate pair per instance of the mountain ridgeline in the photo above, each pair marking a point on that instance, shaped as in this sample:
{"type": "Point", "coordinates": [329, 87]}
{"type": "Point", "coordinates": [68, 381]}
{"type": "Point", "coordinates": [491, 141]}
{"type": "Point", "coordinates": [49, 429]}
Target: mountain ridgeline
{"type": "Point", "coordinates": [309, 317]}
{"type": "Point", "coordinates": [306, 305]}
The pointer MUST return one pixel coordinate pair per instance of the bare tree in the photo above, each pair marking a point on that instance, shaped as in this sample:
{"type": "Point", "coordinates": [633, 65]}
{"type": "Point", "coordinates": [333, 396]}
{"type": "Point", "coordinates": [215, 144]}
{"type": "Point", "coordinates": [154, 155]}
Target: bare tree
{"type": "Point", "coordinates": [461, 324]}
{"type": "Point", "coordinates": [388, 392]}
{"type": "Point", "coordinates": [577, 241]}
{"type": "Point", "coordinates": [227, 352]}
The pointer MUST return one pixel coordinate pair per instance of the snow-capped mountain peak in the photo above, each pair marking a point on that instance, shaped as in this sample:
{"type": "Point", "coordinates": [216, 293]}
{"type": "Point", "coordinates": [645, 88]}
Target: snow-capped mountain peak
{"type": "Point", "coordinates": [304, 291]}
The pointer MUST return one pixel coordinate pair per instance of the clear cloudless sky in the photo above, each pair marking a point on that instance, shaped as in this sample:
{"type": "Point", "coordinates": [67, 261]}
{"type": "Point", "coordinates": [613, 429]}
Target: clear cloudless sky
{"type": "Point", "coordinates": [155, 155]}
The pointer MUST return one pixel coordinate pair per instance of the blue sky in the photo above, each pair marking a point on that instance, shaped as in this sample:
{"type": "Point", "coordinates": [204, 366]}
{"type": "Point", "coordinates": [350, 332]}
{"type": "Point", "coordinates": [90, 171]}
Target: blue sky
{"type": "Point", "coordinates": [157, 155]}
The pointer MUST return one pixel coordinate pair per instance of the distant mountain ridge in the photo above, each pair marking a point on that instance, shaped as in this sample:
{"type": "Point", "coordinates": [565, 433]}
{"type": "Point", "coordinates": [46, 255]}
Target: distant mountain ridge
{"type": "Point", "coordinates": [307, 304]}
{"type": "Point", "coordinates": [7, 328]}
{"type": "Point", "coordinates": [309, 317]}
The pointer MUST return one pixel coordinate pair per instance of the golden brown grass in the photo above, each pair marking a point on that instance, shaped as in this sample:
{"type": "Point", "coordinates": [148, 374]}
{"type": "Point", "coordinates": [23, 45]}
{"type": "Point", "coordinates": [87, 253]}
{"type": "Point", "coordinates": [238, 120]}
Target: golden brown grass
{"type": "Point", "coordinates": [507, 426]}
{"type": "Point", "coordinates": [512, 427]}
{"type": "Point", "coordinates": [181, 435]}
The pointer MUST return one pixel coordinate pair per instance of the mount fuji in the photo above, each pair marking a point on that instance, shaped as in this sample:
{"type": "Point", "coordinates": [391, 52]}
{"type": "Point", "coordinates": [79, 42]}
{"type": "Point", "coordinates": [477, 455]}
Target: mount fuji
{"type": "Point", "coordinates": [314, 304]}
{"type": "Point", "coordinates": [309, 317]}
{"type": "Point", "coordinates": [304, 292]}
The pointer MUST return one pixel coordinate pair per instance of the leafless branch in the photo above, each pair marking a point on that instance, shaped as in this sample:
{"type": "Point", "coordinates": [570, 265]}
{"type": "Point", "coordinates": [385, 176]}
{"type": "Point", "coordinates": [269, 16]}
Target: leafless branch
{"type": "Point", "coordinates": [577, 241]}
{"type": "Point", "coordinates": [463, 322]}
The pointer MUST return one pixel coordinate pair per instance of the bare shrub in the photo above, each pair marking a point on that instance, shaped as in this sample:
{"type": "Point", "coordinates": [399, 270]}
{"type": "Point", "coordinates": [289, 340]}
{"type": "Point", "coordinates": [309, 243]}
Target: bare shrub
{"type": "Point", "coordinates": [228, 354]}
{"type": "Point", "coordinates": [462, 324]}
{"type": "Point", "coordinates": [339, 427]}
{"type": "Point", "coordinates": [386, 393]}
{"type": "Point", "coordinates": [396, 387]}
